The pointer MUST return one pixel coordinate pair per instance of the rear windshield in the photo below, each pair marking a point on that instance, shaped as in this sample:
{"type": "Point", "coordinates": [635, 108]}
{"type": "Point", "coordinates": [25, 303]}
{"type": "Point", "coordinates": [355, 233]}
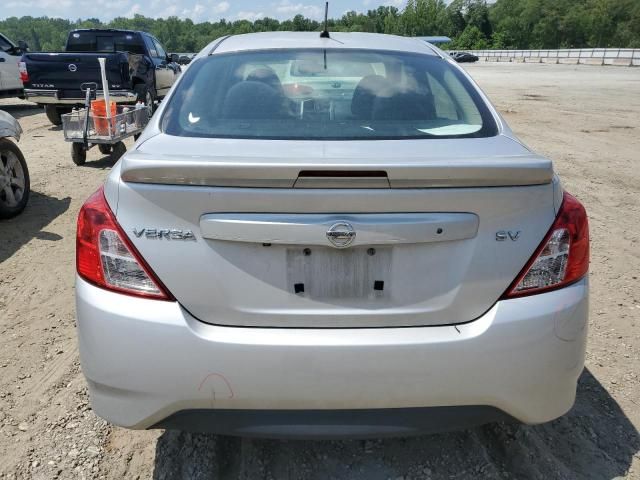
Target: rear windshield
{"type": "Point", "coordinates": [326, 95]}
{"type": "Point", "coordinates": [105, 42]}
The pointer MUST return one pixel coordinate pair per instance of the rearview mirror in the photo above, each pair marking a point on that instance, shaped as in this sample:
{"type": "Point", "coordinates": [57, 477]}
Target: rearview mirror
{"type": "Point", "coordinates": [174, 57]}
{"type": "Point", "coordinates": [23, 46]}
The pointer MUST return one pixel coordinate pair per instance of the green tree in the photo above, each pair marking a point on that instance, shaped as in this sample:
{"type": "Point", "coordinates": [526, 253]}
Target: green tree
{"type": "Point", "coordinates": [471, 39]}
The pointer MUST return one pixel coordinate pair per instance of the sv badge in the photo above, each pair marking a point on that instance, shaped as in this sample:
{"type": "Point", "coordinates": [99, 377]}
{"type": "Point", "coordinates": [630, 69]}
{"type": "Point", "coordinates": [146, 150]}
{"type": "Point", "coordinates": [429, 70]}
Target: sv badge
{"type": "Point", "coordinates": [503, 235]}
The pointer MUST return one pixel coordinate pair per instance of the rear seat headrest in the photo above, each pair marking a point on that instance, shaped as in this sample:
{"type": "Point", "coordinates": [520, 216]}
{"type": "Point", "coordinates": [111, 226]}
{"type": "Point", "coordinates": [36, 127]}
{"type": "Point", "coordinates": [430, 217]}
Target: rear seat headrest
{"type": "Point", "coordinates": [394, 104]}
{"type": "Point", "coordinates": [365, 93]}
{"type": "Point", "coordinates": [267, 76]}
{"type": "Point", "coordinates": [252, 100]}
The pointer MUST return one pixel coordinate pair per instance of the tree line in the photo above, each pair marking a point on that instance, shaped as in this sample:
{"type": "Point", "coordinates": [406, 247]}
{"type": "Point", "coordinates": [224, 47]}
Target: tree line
{"type": "Point", "coordinates": [472, 24]}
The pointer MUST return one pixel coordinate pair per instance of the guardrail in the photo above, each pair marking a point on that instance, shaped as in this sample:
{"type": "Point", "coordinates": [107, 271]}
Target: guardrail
{"type": "Point", "coordinates": [589, 56]}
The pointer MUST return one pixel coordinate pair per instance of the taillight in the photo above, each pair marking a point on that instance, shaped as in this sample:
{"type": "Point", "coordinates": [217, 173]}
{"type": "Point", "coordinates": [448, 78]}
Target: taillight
{"type": "Point", "coordinates": [563, 256]}
{"type": "Point", "coordinates": [24, 74]}
{"type": "Point", "coordinates": [106, 258]}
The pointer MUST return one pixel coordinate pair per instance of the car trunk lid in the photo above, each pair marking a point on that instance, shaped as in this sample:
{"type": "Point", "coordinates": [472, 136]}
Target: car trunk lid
{"type": "Point", "coordinates": [418, 246]}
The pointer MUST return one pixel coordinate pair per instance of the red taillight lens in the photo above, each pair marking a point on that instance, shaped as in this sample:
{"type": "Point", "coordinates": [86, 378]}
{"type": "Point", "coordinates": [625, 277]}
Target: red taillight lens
{"type": "Point", "coordinates": [24, 74]}
{"type": "Point", "coordinates": [106, 258]}
{"type": "Point", "coordinates": [563, 256]}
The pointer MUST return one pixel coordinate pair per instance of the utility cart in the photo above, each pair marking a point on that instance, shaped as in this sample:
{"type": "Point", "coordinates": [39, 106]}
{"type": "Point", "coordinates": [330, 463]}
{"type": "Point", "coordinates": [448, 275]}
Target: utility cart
{"type": "Point", "coordinates": [89, 126]}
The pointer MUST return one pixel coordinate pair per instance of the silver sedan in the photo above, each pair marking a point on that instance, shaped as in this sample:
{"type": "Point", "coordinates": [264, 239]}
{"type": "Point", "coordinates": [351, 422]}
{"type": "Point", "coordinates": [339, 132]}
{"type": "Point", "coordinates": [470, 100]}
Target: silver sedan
{"type": "Point", "coordinates": [327, 237]}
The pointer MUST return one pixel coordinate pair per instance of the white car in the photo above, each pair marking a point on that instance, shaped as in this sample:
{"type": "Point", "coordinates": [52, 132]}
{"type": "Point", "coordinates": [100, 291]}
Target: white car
{"type": "Point", "coordinates": [14, 174]}
{"type": "Point", "coordinates": [327, 237]}
{"type": "Point", "coordinates": [10, 83]}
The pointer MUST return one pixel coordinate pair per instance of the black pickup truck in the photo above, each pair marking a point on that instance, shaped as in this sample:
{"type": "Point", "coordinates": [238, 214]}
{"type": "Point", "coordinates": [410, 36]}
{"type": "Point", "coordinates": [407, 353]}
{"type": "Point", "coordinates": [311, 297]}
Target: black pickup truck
{"type": "Point", "coordinates": [138, 69]}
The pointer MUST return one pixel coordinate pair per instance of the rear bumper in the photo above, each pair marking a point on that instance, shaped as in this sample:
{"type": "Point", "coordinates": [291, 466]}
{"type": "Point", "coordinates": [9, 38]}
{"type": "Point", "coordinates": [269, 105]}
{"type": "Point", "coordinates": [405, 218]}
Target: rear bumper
{"type": "Point", "coordinates": [14, 93]}
{"type": "Point", "coordinates": [146, 360]}
{"type": "Point", "coordinates": [53, 97]}
{"type": "Point", "coordinates": [331, 424]}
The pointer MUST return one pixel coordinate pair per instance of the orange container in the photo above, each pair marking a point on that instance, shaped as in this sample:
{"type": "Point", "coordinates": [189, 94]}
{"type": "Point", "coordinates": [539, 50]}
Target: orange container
{"type": "Point", "coordinates": [99, 114]}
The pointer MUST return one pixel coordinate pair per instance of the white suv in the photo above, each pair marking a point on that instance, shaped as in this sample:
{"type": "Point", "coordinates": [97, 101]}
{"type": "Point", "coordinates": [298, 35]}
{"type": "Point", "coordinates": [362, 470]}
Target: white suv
{"type": "Point", "coordinates": [10, 83]}
{"type": "Point", "coordinates": [330, 237]}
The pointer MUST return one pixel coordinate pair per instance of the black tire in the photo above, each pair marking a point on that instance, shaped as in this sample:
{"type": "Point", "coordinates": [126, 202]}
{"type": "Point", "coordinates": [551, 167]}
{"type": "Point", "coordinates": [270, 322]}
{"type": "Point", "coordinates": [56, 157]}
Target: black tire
{"type": "Point", "coordinates": [144, 95]}
{"type": "Point", "coordinates": [119, 149]}
{"type": "Point", "coordinates": [104, 148]}
{"type": "Point", "coordinates": [78, 154]}
{"type": "Point", "coordinates": [54, 113]}
{"type": "Point", "coordinates": [15, 179]}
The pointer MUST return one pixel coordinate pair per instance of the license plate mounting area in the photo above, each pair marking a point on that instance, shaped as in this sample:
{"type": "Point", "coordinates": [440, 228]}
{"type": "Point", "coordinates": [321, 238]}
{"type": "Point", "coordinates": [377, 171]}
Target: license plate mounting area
{"type": "Point", "coordinates": [329, 273]}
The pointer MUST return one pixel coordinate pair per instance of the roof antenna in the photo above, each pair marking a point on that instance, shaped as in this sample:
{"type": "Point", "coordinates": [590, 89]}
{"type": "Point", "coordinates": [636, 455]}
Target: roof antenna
{"type": "Point", "coordinates": [325, 32]}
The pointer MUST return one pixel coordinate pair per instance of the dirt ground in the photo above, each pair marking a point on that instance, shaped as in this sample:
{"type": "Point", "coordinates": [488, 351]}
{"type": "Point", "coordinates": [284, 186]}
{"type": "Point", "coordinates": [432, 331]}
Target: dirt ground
{"type": "Point", "coordinates": [586, 118]}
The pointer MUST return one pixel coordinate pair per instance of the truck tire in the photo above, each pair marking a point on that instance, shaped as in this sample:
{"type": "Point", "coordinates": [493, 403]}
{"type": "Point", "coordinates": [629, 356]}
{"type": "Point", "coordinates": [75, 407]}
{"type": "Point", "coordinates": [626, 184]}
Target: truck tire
{"type": "Point", "coordinates": [144, 95]}
{"type": "Point", "coordinates": [14, 181]}
{"type": "Point", "coordinates": [54, 113]}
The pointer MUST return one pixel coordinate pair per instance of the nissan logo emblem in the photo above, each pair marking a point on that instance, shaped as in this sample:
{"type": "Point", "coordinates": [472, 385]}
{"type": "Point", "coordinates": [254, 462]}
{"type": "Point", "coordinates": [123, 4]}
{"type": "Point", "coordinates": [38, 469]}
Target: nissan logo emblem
{"type": "Point", "coordinates": [341, 234]}
{"type": "Point", "coordinates": [72, 67]}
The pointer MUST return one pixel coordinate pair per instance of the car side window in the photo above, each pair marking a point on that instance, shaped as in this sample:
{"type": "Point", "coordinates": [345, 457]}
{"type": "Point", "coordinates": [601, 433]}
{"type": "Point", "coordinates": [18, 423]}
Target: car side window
{"type": "Point", "coordinates": [153, 52]}
{"type": "Point", "coordinates": [161, 53]}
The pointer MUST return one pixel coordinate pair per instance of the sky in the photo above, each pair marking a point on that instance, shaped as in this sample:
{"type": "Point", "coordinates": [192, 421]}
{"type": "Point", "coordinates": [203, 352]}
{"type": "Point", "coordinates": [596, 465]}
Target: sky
{"type": "Point", "coordinates": [197, 10]}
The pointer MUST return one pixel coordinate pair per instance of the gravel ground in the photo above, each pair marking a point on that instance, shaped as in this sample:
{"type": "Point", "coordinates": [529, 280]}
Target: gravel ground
{"type": "Point", "coordinates": [586, 118]}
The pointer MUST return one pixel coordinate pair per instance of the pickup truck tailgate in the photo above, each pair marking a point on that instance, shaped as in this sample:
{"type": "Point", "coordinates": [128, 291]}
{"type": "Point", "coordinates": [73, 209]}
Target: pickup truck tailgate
{"type": "Point", "coordinates": [65, 72]}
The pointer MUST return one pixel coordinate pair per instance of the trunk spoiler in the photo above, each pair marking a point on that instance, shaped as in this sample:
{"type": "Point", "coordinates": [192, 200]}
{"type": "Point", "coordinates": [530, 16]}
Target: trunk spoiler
{"type": "Point", "coordinates": [517, 170]}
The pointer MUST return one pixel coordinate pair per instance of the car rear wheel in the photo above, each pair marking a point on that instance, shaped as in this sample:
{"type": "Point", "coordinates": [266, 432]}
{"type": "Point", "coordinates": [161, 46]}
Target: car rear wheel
{"type": "Point", "coordinates": [14, 180]}
{"type": "Point", "coordinates": [54, 114]}
{"type": "Point", "coordinates": [145, 96]}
